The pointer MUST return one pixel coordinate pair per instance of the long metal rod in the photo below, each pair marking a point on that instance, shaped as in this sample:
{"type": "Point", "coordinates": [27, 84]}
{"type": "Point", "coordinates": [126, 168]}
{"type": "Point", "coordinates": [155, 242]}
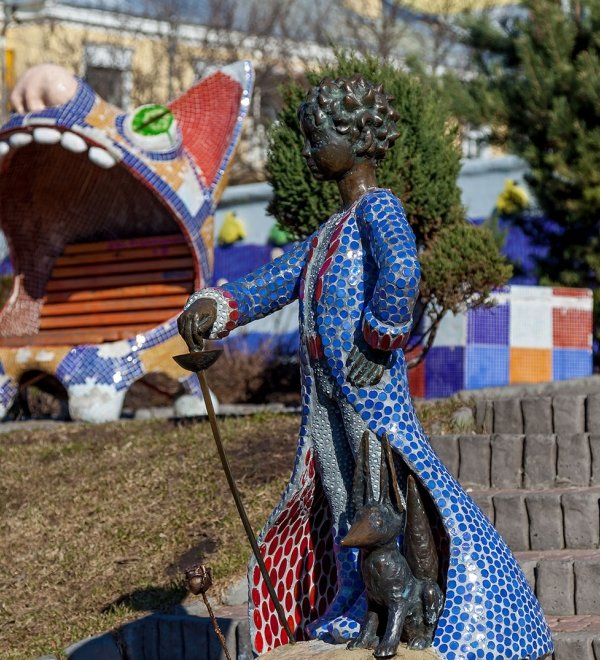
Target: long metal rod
{"type": "Point", "coordinates": [216, 626]}
{"type": "Point", "coordinates": [212, 418]}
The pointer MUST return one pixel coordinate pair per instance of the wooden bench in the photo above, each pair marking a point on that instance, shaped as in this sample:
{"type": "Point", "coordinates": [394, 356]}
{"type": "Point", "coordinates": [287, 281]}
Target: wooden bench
{"type": "Point", "coordinates": [111, 290]}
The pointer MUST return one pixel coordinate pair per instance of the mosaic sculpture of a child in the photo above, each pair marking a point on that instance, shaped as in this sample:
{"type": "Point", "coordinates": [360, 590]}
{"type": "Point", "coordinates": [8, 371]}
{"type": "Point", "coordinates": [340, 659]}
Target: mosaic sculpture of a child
{"type": "Point", "coordinates": [357, 280]}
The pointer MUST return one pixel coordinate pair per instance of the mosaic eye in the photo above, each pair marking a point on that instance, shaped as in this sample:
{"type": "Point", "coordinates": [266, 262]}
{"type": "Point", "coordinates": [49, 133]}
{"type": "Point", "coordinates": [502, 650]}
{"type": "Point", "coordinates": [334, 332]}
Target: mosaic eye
{"type": "Point", "coordinates": [153, 128]}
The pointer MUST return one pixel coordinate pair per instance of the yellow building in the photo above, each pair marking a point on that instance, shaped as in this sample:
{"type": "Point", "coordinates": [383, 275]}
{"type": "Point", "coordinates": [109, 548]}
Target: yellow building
{"type": "Point", "coordinates": [145, 54]}
{"type": "Point", "coordinates": [136, 51]}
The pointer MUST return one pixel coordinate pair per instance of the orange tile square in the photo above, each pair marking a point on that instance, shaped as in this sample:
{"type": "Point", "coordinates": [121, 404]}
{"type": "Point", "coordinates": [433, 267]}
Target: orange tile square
{"type": "Point", "coordinates": [530, 365]}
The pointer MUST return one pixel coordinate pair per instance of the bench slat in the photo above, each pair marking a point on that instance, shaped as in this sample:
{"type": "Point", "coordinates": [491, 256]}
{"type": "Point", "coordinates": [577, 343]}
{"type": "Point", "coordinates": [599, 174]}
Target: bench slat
{"type": "Point", "coordinates": [100, 306]}
{"type": "Point", "coordinates": [156, 252]}
{"type": "Point", "coordinates": [77, 321]}
{"type": "Point", "coordinates": [76, 284]}
{"type": "Point", "coordinates": [124, 243]}
{"type": "Point", "coordinates": [121, 292]}
{"type": "Point", "coordinates": [144, 266]}
{"type": "Point", "coordinates": [74, 337]}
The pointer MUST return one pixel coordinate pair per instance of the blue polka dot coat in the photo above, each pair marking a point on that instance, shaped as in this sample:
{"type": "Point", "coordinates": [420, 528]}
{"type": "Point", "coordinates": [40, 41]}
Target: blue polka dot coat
{"type": "Point", "coordinates": [357, 280]}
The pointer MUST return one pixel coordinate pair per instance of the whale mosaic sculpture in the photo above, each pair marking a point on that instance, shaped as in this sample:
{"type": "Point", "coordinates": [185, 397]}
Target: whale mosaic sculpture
{"type": "Point", "coordinates": [108, 216]}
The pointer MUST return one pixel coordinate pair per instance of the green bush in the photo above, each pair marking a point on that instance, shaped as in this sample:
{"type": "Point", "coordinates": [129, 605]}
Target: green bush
{"type": "Point", "coordinates": [537, 87]}
{"type": "Point", "coordinates": [460, 263]}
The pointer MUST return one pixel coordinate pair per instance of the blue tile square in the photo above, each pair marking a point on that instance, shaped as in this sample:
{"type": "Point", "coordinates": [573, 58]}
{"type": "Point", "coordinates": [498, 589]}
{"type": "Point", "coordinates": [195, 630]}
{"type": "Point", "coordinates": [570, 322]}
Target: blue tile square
{"type": "Point", "coordinates": [489, 325]}
{"type": "Point", "coordinates": [444, 371]}
{"type": "Point", "coordinates": [571, 363]}
{"type": "Point", "coordinates": [487, 366]}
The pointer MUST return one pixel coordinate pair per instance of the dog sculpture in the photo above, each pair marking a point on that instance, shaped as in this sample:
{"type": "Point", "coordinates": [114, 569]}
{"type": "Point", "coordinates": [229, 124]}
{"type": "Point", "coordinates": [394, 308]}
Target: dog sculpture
{"type": "Point", "coordinates": [403, 598]}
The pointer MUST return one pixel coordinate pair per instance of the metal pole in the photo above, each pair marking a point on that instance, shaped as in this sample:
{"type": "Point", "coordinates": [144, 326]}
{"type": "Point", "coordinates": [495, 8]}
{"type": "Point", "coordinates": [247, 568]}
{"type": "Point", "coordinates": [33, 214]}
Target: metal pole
{"type": "Point", "coordinates": [212, 418]}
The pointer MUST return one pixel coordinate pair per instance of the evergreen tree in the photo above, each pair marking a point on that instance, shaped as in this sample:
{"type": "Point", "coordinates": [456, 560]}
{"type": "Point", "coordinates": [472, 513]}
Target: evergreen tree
{"type": "Point", "coordinates": [460, 263]}
{"type": "Point", "coordinates": [539, 89]}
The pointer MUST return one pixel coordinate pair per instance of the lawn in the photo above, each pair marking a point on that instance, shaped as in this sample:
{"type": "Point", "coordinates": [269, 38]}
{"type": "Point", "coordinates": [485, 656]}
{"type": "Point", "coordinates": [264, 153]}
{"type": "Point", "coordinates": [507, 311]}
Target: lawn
{"type": "Point", "coordinates": [97, 522]}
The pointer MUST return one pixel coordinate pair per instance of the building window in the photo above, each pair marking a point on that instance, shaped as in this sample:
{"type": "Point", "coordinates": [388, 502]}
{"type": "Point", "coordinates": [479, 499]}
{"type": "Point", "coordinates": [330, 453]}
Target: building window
{"type": "Point", "coordinates": [108, 72]}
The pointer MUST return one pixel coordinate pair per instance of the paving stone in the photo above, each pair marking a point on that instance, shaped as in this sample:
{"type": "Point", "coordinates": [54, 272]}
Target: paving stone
{"type": "Point", "coordinates": [529, 567]}
{"type": "Point", "coordinates": [595, 454]}
{"type": "Point", "coordinates": [573, 646]}
{"type": "Point", "coordinates": [485, 503]}
{"type": "Point", "coordinates": [545, 515]}
{"type": "Point", "coordinates": [484, 416]}
{"type": "Point", "coordinates": [573, 465]}
{"type": "Point", "coordinates": [99, 647]}
{"type": "Point", "coordinates": [539, 461]}
{"type": "Point", "coordinates": [244, 640]}
{"type": "Point", "coordinates": [569, 414]}
{"type": "Point", "coordinates": [236, 593]}
{"type": "Point", "coordinates": [587, 586]}
{"type": "Point", "coordinates": [581, 518]}
{"type": "Point", "coordinates": [474, 467]}
{"type": "Point", "coordinates": [592, 413]}
{"type": "Point", "coordinates": [507, 461]}
{"type": "Point", "coordinates": [446, 447]}
{"type": "Point", "coordinates": [537, 414]}
{"type": "Point", "coordinates": [555, 587]}
{"type": "Point", "coordinates": [510, 519]}
{"type": "Point", "coordinates": [508, 417]}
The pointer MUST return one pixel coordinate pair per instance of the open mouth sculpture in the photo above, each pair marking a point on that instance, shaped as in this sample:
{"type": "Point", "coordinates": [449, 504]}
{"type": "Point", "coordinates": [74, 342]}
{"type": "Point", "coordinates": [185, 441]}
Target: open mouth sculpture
{"type": "Point", "coordinates": [108, 216]}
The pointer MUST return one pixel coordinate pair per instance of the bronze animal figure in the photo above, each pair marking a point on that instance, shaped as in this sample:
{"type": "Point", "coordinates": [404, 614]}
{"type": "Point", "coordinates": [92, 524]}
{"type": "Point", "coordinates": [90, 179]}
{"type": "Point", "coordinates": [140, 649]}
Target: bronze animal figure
{"type": "Point", "coordinates": [403, 597]}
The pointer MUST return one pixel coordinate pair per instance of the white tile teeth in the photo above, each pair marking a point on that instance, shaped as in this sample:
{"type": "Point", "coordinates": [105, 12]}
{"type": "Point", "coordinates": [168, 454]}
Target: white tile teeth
{"type": "Point", "coordinates": [20, 139]}
{"type": "Point", "coordinates": [101, 158]}
{"type": "Point", "coordinates": [45, 135]}
{"type": "Point", "coordinates": [4, 149]}
{"type": "Point", "coordinates": [72, 142]}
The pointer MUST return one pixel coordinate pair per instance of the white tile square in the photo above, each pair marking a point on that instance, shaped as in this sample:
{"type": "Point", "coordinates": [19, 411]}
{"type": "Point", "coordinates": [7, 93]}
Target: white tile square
{"type": "Point", "coordinates": [452, 331]}
{"type": "Point", "coordinates": [531, 323]}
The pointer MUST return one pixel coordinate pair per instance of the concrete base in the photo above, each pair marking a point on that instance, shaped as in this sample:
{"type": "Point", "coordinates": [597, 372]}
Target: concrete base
{"type": "Point", "coordinates": [323, 651]}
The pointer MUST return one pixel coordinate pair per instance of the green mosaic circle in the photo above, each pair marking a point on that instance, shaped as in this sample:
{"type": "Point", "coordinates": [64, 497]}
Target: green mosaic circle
{"type": "Point", "coordinates": [152, 120]}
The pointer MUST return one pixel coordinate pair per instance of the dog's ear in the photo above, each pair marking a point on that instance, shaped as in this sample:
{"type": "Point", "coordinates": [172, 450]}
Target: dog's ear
{"type": "Point", "coordinates": [386, 451]}
{"type": "Point", "coordinates": [419, 544]}
{"type": "Point", "coordinates": [362, 488]}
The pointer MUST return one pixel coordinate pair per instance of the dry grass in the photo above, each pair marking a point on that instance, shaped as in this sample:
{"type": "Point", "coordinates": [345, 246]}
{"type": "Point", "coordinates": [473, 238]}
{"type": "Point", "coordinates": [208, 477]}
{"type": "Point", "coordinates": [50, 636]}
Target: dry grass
{"type": "Point", "coordinates": [96, 522]}
{"type": "Point", "coordinates": [436, 415]}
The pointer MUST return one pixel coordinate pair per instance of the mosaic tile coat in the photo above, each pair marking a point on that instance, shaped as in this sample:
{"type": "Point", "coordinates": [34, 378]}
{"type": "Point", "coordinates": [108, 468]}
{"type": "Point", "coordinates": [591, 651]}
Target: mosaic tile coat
{"type": "Point", "coordinates": [187, 179]}
{"type": "Point", "coordinates": [357, 277]}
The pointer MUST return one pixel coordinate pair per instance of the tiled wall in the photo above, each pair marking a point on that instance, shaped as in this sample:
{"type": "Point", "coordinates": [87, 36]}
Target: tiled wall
{"type": "Point", "coordinates": [533, 334]}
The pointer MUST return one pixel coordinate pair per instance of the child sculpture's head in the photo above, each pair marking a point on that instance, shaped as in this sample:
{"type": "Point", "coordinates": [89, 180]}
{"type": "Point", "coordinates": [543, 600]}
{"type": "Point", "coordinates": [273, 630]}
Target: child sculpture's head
{"type": "Point", "coordinates": [344, 122]}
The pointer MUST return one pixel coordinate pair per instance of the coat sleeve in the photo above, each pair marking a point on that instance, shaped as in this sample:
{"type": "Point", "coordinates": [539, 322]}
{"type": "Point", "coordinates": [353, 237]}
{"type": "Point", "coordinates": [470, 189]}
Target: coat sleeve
{"type": "Point", "coordinates": [387, 317]}
{"type": "Point", "coordinates": [257, 294]}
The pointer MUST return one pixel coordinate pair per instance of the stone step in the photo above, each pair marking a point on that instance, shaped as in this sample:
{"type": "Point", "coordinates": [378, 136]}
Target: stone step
{"type": "Point", "coordinates": [521, 461]}
{"type": "Point", "coordinates": [554, 519]}
{"type": "Point", "coordinates": [564, 414]}
{"type": "Point", "coordinates": [575, 637]}
{"type": "Point", "coordinates": [566, 582]}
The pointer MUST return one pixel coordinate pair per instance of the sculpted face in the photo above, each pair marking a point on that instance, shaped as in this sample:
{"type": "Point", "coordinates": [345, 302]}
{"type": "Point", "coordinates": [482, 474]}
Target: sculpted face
{"type": "Point", "coordinates": [329, 155]}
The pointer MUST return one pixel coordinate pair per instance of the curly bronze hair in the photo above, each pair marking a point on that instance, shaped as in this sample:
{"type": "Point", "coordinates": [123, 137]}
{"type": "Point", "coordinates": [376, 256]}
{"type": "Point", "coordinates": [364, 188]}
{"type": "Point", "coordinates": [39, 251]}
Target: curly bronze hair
{"type": "Point", "coordinates": [357, 107]}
